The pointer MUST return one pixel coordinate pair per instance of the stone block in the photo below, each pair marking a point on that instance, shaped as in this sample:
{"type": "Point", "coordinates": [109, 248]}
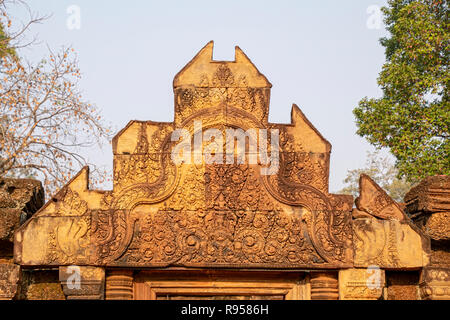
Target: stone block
{"type": "Point", "coordinates": [9, 280]}
{"type": "Point", "coordinates": [82, 283]}
{"type": "Point", "coordinates": [361, 284]}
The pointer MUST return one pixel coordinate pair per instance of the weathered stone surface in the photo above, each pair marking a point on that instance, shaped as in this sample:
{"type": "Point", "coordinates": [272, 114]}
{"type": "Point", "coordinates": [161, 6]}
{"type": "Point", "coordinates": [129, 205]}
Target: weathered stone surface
{"type": "Point", "coordinates": [161, 213]}
{"type": "Point", "coordinates": [428, 204]}
{"type": "Point", "coordinates": [375, 201]}
{"type": "Point", "coordinates": [206, 215]}
{"type": "Point", "coordinates": [361, 284]}
{"type": "Point", "coordinates": [431, 195]}
{"type": "Point", "coordinates": [83, 283]}
{"type": "Point", "coordinates": [26, 194]}
{"type": "Point", "coordinates": [388, 244]}
{"type": "Point", "coordinates": [9, 221]}
{"type": "Point", "coordinates": [19, 200]}
{"type": "Point", "coordinates": [440, 254]}
{"type": "Point", "coordinates": [435, 284]}
{"type": "Point", "coordinates": [383, 235]}
{"type": "Point", "coordinates": [402, 285]}
{"type": "Point", "coordinates": [9, 279]}
{"type": "Point", "coordinates": [40, 285]}
{"type": "Point", "coordinates": [435, 225]}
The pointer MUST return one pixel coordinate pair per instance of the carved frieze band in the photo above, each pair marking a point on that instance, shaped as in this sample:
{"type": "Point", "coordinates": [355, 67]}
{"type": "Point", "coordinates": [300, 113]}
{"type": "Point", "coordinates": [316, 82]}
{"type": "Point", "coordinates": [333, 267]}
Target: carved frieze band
{"type": "Point", "coordinates": [435, 284]}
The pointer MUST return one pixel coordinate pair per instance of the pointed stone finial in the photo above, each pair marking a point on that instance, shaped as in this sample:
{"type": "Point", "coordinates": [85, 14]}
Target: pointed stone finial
{"type": "Point", "coordinates": [376, 202]}
{"type": "Point", "coordinates": [306, 134]}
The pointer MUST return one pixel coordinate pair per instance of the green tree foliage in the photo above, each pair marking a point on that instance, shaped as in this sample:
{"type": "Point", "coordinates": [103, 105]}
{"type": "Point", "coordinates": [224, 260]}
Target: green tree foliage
{"type": "Point", "coordinates": [383, 172]}
{"type": "Point", "coordinates": [4, 43]}
{"type": "Point", "coordinates": [6, 49]}
{"type": "Point", "coordinates": [412, 118]}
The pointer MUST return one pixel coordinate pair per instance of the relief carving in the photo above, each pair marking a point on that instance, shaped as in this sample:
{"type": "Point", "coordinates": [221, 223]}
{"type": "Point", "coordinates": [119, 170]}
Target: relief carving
{"type": "Point", "coordinates": [160, 213]}
{"type": "Point", "coordinates": [361, 284]}
{"type": "Point", "coordinates": [435, 284]}
{"type": "Point", "coordinates": [382, 233]}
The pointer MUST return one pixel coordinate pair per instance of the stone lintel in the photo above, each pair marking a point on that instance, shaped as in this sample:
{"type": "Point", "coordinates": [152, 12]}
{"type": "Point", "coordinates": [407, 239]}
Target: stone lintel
{"type": "Point", "coordinates": [82, 283]}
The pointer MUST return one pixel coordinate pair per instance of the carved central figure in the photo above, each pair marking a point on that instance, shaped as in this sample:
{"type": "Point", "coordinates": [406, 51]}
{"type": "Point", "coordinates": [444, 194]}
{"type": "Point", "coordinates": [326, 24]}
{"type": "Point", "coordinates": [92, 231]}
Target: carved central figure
{"type": "Point", "coordinates": [204, 213]}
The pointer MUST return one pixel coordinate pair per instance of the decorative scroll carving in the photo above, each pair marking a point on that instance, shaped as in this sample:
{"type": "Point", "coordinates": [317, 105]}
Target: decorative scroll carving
{"type": "Point", "coordinates": [112, 232]}
{"type": "Point", "coordinates": [70, 203]}
{"type": "Point", "coordinates": [215, 215]}
{"type": "Point", "coordinates": [161, 214]}
{"type": "Point", "coordinates": [330, 226]}
{"type": "Point", "coordinates": [220, 238]}
{"type": "Point", "coordinates": [148, 173]}
{"type": "Point", "coordinates": [192, 100]}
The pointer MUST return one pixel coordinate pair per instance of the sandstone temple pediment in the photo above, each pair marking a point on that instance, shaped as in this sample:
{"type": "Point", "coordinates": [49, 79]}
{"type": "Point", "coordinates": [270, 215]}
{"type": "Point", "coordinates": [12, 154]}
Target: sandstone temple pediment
{"type": "Point", "coordinates": [224, 214]}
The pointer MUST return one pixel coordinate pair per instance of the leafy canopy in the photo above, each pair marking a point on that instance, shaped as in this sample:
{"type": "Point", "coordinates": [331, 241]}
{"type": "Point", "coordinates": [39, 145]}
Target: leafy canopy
{"type": "Point", "coordinates": [5, 48]}
{"type": "Point", "coordinates": [412, 118]}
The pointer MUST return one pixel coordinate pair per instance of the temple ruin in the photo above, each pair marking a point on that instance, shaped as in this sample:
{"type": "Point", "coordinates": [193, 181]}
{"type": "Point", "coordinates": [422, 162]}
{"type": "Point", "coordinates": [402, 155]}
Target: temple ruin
{"type": "Point", "coordinates": [216, 230]}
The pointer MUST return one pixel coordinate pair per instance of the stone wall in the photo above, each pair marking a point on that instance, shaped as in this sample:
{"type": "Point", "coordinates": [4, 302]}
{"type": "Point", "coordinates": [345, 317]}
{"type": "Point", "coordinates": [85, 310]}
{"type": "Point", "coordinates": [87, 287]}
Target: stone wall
{"type": "Point", "coordinates": [428, 205]}
{"type": "Point", "coordinates": [402, 285]}
{"type": "Point", "coordinates": [164, 214]}
{"type": "Point", "coordinates": [19, 200]}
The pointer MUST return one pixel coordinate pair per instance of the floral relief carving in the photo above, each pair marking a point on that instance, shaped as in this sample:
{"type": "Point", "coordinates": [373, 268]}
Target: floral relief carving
{"type": "Point", "coordinates": [218, 215]}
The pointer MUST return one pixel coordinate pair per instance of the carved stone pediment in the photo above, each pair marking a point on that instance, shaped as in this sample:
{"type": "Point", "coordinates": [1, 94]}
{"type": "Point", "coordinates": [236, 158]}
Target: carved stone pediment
{"type": "Point", "coordinates": [161, 213]}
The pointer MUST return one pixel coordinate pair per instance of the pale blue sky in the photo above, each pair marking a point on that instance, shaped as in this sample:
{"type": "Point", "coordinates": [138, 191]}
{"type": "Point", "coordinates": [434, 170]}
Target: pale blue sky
{"type": "Point", "coordinates": [318, 54]}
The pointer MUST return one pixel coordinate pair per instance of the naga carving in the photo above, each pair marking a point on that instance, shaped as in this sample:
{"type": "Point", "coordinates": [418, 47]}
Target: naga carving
{"type": "Point", "coordinates": [162, 213]}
